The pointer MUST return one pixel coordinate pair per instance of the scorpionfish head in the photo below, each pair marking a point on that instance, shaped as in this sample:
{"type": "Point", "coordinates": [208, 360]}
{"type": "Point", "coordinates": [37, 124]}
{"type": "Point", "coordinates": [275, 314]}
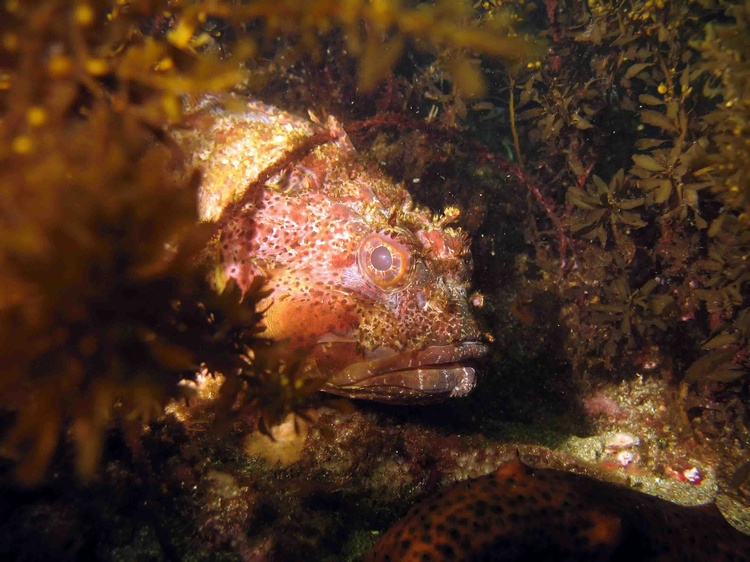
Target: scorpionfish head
{"type": "Point", "coordinates": [370, 285]}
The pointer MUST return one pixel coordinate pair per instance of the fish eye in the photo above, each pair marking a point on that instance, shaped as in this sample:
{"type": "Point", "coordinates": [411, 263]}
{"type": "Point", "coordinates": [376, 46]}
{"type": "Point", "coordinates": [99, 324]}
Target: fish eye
{"type": "Point", "coordinates": [381, 258]}
{"type": "Point", "coordinates": [385, 261]}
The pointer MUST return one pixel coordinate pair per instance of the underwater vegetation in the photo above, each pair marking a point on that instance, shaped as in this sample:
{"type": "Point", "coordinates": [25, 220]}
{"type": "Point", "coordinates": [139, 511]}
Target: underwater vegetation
{"type": "Point", "coordinates": [103, 304]}
{"type": "Point", "coordinates": [640, 147]}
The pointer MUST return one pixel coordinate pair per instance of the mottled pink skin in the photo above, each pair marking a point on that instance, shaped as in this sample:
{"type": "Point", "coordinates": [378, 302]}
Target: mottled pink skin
{"type": "Point", "coordinates": [302, 231]}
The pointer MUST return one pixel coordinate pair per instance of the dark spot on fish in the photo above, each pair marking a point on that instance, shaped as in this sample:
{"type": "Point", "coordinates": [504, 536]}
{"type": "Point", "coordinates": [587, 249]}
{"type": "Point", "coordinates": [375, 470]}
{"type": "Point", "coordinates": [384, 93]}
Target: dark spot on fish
{"type": "Point", "coordinates": [500, 543]}
{"type": "Point", "coordinates": [581, 542]}
{"type": "Point", "coordinates": [480, 508]}
{"type": "Point", "coordinates": [446, 550]}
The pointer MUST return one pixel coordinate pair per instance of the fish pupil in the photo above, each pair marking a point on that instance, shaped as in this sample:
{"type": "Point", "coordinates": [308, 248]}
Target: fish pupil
{"type": "Point", "coordinates": [381, 258]}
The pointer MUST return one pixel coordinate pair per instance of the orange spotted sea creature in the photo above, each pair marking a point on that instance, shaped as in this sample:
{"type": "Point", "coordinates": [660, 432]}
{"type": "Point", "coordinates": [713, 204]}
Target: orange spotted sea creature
{"type": "Point", "coordinates": [521, 513]}
{"type": "Point", "coordinates": [372, 286]}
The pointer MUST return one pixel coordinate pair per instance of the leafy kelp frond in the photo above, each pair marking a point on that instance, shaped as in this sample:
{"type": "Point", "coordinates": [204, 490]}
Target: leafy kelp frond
{"type": "Point", "coordinates": [106, 304]}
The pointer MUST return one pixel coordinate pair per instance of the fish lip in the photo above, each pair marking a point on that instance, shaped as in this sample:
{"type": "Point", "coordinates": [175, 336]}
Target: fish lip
{"type": "Point", "coordinates": [428, 375]}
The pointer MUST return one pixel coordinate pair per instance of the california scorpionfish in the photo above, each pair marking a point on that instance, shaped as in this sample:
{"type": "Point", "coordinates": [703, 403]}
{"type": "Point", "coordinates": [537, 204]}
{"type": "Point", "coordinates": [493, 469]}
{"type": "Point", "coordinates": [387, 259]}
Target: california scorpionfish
{"type": "Point", "coordinates": [371, 285]}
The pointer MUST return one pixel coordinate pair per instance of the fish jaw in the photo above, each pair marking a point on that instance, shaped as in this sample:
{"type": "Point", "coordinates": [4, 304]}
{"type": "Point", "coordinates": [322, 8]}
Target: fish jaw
{"type": "Point", "coordinates": [425, 376]}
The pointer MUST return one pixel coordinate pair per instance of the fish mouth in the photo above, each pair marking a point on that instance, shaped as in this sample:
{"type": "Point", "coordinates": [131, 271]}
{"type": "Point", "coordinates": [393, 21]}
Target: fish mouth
{"type": "Point", "coordinates": [425, 376]}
